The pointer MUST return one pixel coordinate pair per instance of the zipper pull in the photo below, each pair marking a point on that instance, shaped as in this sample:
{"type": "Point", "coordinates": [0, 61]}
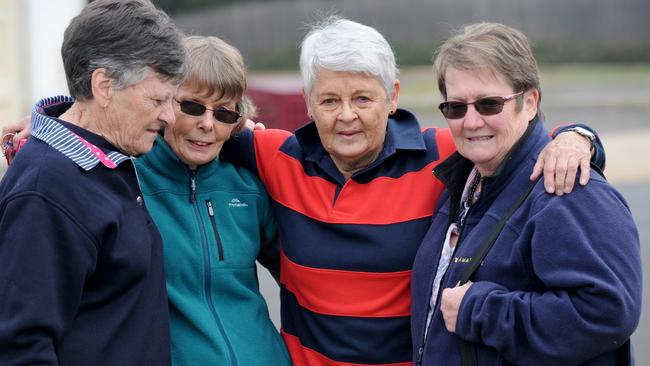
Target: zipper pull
{"type": "Point", "coordinates": [210, 210]}
{"type": "Point", "coordinates": [208, 204]}
{"type": "Point", "coordinates": [193, 186]}
{"type": "Point", "coordinates": [420, 352]}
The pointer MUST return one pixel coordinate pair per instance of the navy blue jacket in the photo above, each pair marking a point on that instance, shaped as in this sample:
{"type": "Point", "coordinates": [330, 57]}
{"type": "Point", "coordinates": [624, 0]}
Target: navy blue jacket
{"type": "Point", "coordinates": [81, 267]}
{"type": "Point", "coordinates": [561, 285]}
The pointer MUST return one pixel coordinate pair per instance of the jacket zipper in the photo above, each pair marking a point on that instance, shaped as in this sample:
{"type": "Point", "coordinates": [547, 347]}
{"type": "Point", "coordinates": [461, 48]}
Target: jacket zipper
{"type": "Point", "coordinates": [207, 275]}
{"type": "Point", "coordinates": [426, 334]}
{"type": "Point", "coordinates": [193, 186]}
{"type": "Point", "coordinates": [213, 222]}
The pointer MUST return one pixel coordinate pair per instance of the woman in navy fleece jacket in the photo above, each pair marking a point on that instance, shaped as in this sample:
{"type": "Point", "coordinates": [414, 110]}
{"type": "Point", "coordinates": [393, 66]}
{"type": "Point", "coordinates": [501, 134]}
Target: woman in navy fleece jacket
{"type": "Point", "coordinates": [562, 283]}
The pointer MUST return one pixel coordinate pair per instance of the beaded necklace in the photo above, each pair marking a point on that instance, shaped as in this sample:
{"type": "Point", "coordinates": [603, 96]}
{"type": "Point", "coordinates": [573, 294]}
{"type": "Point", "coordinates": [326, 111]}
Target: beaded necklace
{"type": "Point", "coordinates": [474, 193]}
{"type": "Point", "coordinates": [470, 198]}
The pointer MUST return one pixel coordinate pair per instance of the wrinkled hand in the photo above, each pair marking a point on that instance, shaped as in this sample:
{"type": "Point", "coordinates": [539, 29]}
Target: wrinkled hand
{"type": "Point", "coordinates": [13, 137]}
{"type": "Point", "coordinates": [450, 303]}
{"type": "Point", "coordinates": [252, 125]}
{"type": "Point", "coordinates": [559, 161]}
{"type": "Point", "coordinates": [259, 126]}
{"type": "Point", "coordinates": [19, 129]}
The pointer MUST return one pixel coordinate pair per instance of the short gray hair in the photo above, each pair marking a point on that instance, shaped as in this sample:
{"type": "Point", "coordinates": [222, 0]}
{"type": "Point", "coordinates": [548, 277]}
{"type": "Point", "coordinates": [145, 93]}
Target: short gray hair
{"type": "Point", "coordinates": [339, 44]}
{"type": "Point", "coordinates": [130, 38]}
{"type": "Point", "coordinates": [496, 47]}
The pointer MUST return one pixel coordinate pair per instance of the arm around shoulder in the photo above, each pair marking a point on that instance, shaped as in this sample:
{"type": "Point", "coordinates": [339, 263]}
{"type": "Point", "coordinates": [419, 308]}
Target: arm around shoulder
{"type": "Point", "coordinates": [269, 255]}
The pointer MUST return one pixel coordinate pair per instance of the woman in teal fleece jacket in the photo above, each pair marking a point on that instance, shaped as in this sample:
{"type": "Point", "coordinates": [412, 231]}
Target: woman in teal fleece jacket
{"type": "Point", "coordinates": [215, 220]}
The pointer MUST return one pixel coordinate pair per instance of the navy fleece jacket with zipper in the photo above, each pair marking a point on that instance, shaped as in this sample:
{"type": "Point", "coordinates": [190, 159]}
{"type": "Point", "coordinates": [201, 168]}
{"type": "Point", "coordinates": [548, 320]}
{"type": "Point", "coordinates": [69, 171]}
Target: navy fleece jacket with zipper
{"type": "Point", "coordinates": [560, 286]}
{"type": "Point", "coordinates": [81, 267]}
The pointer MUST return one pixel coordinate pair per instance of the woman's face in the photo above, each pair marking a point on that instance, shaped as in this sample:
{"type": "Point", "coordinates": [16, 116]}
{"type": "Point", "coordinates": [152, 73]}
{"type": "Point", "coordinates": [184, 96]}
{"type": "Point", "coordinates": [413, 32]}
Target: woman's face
{"type": "Point", "coordinates": [351, 113]}
{"type": "Point", "coordinates": [486, 140]}
{"type": "Point", "coordinates": [197, 140]}
{"type": "Point", "coordinates": [136, 113]}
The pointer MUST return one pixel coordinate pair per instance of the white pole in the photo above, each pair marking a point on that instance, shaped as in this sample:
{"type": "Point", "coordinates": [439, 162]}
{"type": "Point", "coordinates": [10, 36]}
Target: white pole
{"type": "Point", "coordinates": [46, 21]}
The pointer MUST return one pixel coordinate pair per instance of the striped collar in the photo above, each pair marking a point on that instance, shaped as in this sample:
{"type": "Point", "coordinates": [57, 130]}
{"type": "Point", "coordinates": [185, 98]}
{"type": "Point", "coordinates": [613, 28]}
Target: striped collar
{"type": "Point", "coordinates": [403, 132]}
{"type": "Point", "coordinates": [47, 129]}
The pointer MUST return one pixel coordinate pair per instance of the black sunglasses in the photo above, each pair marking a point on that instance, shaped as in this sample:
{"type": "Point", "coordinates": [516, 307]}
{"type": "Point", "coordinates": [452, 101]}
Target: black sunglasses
{"type": "Point", "coordinates": [485, 106]}
{"type": "Point", "coordinates": [221, 114]}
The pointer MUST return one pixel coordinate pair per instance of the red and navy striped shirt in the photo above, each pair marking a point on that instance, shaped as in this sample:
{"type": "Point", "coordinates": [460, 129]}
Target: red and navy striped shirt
{"type": "Point", "coordinates": [348, 245]}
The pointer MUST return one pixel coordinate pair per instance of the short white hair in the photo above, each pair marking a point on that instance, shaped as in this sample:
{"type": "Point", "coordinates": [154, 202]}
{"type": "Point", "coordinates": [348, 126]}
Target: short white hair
{"type": "Point", "coordinates": [339, 44]}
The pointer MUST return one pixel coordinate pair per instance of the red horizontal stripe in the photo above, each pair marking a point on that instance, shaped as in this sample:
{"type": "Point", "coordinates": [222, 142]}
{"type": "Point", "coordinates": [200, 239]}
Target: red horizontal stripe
{"type": "Point", "coordinates": [388, 200]}
{"type": "Point", "coordinates": [347, 293]}
{"type": "Point", "coordinates": [384, 200]}
{"type": "Point", "coordinates": [303, 356]}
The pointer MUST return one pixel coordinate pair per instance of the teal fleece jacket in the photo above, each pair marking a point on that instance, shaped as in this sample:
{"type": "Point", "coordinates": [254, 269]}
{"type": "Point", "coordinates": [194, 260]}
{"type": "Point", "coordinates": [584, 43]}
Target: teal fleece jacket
{"type": "Point", "coordinates": [215, 222]}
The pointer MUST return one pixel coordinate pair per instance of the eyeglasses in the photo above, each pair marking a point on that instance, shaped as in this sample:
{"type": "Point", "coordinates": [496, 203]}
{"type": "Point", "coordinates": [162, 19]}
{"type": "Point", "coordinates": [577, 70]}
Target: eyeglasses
{"type": "Point", "coordinates": [485, 106]}
{"type": "Point", "coordinates": [221, 114]}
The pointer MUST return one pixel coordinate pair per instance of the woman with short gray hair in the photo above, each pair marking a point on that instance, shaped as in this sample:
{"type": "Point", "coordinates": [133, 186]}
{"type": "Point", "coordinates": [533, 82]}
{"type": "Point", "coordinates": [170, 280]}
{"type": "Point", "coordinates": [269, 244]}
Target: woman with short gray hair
{"type": "Point", "coordinates": [81, 270]}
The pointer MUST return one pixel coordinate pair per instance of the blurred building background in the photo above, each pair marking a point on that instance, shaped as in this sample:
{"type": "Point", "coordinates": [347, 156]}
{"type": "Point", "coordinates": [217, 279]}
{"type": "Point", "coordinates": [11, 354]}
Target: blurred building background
{"type": "Point", "coordinates": [268, 32]}
{"type": "Point", "coordinates": [31, 32]}
{"type": "Point", "coordinates": [595, 57]}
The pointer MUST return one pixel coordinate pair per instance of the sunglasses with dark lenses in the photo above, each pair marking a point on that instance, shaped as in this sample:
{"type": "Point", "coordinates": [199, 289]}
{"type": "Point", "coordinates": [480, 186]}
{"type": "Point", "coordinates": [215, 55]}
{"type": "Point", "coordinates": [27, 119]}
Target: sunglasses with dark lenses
{"type": "Point", "coordinates": [220, 114]}
{"type": "Point", "coordinates": [487, 106]}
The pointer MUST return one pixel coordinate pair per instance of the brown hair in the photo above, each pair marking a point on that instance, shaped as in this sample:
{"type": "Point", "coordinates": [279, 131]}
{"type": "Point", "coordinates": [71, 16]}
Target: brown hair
{"type": "Point", "coordinates": [502, 50]}
{"type": "Point", "coordinates": [217, 68]}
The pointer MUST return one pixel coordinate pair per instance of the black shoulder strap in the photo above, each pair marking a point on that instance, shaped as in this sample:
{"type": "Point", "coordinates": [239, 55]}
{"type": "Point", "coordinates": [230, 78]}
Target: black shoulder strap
{"type": "Point", "coordinates": [624, 354]}
{"type": "Point", "coordinates": [467, 349]}
{"type": "Point", "coordinates": [489, 241]}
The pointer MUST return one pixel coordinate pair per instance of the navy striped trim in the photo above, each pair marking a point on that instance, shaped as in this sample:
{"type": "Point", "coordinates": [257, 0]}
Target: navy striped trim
{"type": "Point", "coordinates": [366, 247]}
{"type": "Point", "coordinates": [62, 139]}
{"type": "Point", "coordinates": [348, 339]}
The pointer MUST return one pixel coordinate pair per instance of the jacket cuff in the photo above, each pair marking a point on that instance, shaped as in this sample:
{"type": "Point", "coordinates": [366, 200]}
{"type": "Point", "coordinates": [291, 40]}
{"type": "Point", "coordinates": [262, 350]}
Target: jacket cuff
{"type": "Point", "coordinates": [470, 316]}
